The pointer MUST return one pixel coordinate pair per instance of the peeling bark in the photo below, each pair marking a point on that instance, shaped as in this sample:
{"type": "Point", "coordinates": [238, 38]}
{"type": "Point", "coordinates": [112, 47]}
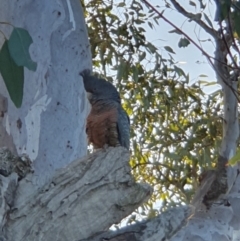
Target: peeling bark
{"type": "Point", "coordinates": [82, 199]}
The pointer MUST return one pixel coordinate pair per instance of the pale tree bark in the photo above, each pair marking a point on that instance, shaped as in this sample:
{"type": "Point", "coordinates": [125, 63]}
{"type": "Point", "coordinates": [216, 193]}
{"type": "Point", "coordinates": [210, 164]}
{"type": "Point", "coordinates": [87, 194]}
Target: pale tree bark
{"type": "Point", "coordinates": [85, 198]}
{"type": "Point", "coordinates": [49, 127]}
{"type": "Point", "coordinates": [72, 200]}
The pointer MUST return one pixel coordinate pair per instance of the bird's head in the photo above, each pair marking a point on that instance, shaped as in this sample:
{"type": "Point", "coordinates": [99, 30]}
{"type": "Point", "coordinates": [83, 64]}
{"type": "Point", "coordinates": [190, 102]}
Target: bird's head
{"type": "Point", "coordinates": [98, 88]}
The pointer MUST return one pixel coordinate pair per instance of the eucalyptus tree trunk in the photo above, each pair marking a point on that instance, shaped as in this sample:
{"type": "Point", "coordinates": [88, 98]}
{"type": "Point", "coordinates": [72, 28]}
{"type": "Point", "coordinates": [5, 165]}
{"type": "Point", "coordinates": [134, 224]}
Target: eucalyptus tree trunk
{"type": "Point", "coordinates": [49, 126]}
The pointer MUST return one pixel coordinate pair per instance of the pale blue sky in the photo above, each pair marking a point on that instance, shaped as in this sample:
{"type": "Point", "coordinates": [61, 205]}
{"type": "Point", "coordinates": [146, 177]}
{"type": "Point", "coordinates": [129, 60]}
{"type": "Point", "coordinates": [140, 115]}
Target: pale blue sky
{"type": "Point", "coordinates": [195, 63]}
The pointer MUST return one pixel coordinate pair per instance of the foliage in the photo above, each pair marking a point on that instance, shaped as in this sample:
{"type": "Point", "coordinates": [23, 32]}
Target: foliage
{"type": "Point", "coordinates": [176, 128]}
{"type": "Point", "coordinates": [14, 56]}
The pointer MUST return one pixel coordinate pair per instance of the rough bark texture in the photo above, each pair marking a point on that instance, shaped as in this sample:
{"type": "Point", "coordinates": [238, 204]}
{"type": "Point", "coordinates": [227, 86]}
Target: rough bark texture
{"type": "Point", "coordinates": [85, 198]}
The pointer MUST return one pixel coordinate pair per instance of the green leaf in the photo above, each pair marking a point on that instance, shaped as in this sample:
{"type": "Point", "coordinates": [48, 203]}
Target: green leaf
{"type": "Point", "coordinates": [12, 75]}
{"type": "Point", "coordinates": [175, 31]}
{"type": "Point", "coordinates": [187, 78]}
{"type": "Point", "coordinates": [151, 48]}
{"type": "Point", "coordinates": [142, 56]}
{"type": "Point", "coordinates": [135, 73]}
{"type": "Point", "coordinates": [126, 16]}
{"type": "Point", "coordinates": [208, 20]}
{"type": "Point", "coordinates": [192, 3]}
{"type": "Point", "coordinates": [203, 75]}
{"type": "Point", "coordinates": [179, 71]}
{"type": "Point", "coordinates": [122, 4]}
{"type": "Point", "coordinates": [235, 159]}
{"type": "Point", "coordinates": [157, 18]}
{"type": "Point", "coordinates": [202, 6]}
{"type": "Point", "coordinates": [18, 45]}
{"type": "Point", "coordinates": [138, 21]}
{"type": "Point", "coordinates": [122, 69]}
{"type": "Point", "coordinates": [183, 42]}
{"type": "Point", "coordinates": [150, 25]}
{"type": "Point", "coordinates": [207, 83]}
{"type": "Point", "coordinates": [169, 49]}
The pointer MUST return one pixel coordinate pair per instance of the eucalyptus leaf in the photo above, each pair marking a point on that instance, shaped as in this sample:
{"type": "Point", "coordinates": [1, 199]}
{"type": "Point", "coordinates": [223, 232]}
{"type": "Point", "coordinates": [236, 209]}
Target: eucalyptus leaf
{"type": "Point", "coordinates": [12, 74]}
{"type": "Point", "coordinates": [169, 49]}
{"type": "Point", "coordinates": [183, 43]}
{"type": "Point", "coordinates": [18, 44]}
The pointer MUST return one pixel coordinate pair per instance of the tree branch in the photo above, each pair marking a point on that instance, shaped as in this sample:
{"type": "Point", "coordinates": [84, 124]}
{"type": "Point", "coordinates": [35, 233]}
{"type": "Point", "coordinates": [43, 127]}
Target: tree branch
{"type": "Point", "coordinates": [162, 227]}
{"type": "Point", "coordinates": [86, 197]}
{"type": "Point", "coordinates": [192, 16]}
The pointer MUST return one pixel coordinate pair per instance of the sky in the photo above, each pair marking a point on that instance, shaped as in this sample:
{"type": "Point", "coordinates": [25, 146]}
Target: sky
{"type": "Point", "coordinates": [190, 58]}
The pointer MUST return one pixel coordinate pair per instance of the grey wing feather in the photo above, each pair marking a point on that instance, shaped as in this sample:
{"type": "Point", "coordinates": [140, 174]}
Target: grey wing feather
{"type": "Point", "coordinates": [123, 127]}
